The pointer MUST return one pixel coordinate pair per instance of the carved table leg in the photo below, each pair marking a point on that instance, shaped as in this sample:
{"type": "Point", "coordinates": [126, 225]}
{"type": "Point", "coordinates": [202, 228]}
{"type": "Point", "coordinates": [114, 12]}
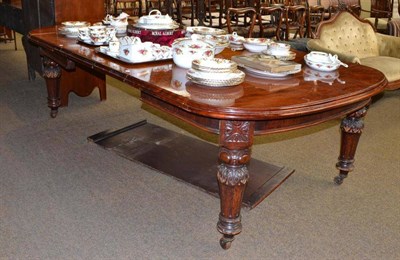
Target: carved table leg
{"type": "Point", "coordinates": [351, 128]}
{"type": "Point", "coordinates": [235, 140]}
{"type": "Point", "coordinates": [52, 74]}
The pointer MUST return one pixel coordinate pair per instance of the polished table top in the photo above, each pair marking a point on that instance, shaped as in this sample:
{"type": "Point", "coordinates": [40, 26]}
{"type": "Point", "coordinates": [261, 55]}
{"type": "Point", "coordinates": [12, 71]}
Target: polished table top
{"type": "Point", "coordinates": [262, 99]}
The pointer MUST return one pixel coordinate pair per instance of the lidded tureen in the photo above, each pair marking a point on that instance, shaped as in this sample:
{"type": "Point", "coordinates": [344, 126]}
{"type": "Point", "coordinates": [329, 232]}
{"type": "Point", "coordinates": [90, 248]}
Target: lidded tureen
{"type": "Point", "coordinates": [155, 20]}
{"type": "Point", "coordinates": [185, 50]}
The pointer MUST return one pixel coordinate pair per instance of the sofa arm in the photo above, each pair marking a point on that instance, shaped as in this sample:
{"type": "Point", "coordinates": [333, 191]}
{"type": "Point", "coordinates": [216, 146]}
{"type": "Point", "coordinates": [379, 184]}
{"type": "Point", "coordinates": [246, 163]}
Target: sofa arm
{"type": "Point", "coordinates": [314, 45]}
{"type": "Point", "coordinates": [388, 45]}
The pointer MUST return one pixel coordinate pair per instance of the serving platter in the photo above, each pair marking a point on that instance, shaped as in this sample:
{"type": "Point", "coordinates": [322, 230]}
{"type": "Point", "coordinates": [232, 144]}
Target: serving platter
{"type": "Point", "coordinates": [266, 74]}
{"type": "Point", "coordinates": [290, 55]}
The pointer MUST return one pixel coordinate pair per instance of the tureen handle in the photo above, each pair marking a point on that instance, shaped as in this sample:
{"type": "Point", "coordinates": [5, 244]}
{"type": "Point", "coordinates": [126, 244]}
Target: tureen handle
{"type": "Point", "coordinates": [156, 11]}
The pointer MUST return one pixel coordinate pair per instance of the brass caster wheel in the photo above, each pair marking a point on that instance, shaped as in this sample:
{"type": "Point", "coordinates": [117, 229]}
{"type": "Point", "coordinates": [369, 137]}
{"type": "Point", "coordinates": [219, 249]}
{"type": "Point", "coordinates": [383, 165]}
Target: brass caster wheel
{"type": "Point", "coordinates": [53, 113]}
{"type": "Point", "coordinates": [226, 241]}
{"type": "Point", "coordinates": [339, 179]}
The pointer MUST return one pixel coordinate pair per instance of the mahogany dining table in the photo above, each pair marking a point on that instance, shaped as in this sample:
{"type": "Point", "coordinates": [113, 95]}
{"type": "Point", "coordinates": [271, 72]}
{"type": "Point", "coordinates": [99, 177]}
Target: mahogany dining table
{"type": "Point", "coordinates": [258, 106]}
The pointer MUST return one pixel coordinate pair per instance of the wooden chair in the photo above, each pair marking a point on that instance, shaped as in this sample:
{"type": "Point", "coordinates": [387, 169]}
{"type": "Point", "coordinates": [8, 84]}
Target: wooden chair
{"type": "Point", "coordinates": [294, 20]}
{"type": "Point", "coordinates": [157, 4]}
{"type": "Point", "coordinates": [315, 16]}
{"type": "Point", "coordinates": [131, 7]}
{"type": "Point", "coordinates": [241, 21]}
{"type": "Point", "coordinates": [214, 10]}
{"type": "Point", "coordinates": [7, 35]}
{"type": "Point", "coordinates": [328, 8]}
{"type": "Point", "coordinates": [378, 12]}
{"type": "Point", "coordinates": [186, 10]}
{"type": "Point", "coordinates": [270, 21]}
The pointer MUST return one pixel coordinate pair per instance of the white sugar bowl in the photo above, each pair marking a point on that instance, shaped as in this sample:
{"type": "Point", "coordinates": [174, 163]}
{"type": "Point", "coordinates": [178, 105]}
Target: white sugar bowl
{"type": "Point", "coordinates": [185, 50]}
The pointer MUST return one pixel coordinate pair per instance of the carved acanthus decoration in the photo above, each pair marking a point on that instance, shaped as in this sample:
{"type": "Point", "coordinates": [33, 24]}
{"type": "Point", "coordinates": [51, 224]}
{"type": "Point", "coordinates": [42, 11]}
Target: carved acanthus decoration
{"type": "Point", "coordinates": [354, 123]}
{"type": "Point", "coordinates": [51, 69]}
{"type": "Point", "coordinates": [232, 176]}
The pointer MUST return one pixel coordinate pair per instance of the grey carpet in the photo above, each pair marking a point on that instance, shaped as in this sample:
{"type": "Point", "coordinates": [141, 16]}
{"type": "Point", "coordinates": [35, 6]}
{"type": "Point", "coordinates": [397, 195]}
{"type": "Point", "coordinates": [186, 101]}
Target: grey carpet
{"type": "Point", "coordinates": [62, 197]}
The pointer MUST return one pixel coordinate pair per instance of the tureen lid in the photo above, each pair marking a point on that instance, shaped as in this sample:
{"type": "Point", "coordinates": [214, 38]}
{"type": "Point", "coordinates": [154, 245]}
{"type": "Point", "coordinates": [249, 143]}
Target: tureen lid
{"type": "Point", "coordinates": [192, 42]}
{"type": "Point", "coordinates": [155, 17]}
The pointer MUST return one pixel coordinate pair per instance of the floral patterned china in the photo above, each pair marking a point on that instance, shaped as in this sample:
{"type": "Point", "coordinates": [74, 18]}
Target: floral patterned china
{"type": "Point", "coordinates": [213, 79]}
{"type": "Point", "coordinates": [70, 29]}
{"type": "Point", "coordinates": [266, 74]}
{"type": "Point", "coordinates": [119, 23]}
{"type": "Point", "coordinates": [323, 61]}
{"type": "Point", "coordinates": [208, 31]}
{"type": "Point", "coordinates": [218, 41]}
{"type": "Point", "coordinates": [277, 48]}
{"type": "Point", "coordinates": [156, 21]}
{"type": "Point", "coordinates": [185, 50]}
{"type": "Point", "coordinates": [256, 44]}
{"type": "Point", "coordinates": [325, 77]}
{"type": "Point", "coordinates": [70, 24]}
{"type": "Point", "coordinates": [214, 65]}
{"type": "Point", "coordinates": [290, 55]}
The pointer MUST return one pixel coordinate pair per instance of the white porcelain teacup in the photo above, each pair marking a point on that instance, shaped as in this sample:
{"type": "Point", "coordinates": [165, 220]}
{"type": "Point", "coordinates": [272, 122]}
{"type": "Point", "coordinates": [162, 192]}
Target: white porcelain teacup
{"type": "Point", "coordinates": [97, 28]}
{"type": "Point", "coordinates": [99, 37]}
{"type": "Point", "coordinates": [98, 34]}
{"type": "Point", "coordinates": [84, 33]}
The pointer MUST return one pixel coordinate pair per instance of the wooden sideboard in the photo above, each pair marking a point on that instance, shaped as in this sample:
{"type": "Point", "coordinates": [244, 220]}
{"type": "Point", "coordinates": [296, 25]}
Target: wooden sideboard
{"type": "Point", "coordinates": [23, 16]}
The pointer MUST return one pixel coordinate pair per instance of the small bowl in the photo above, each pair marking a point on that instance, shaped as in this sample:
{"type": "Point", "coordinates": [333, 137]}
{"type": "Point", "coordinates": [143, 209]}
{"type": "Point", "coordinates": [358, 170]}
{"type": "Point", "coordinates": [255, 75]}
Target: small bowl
{"type": "Point", "coordinates": [279, 48]}
{"type": "Point", "coordinates": [256, 44]}
{"type": "Point", "coordinates": [255, 48]}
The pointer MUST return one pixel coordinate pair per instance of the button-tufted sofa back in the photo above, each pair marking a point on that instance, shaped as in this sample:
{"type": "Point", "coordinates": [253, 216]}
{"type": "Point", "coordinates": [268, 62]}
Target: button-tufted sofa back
{"type": "Point", "coordinates": [347, 34]}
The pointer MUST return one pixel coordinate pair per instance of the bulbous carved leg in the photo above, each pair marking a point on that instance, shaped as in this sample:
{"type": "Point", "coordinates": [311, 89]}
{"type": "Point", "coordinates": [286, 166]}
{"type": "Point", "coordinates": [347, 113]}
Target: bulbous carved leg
{"type": "Point", "coordinates": [351, 128]}
{"type": "Point", "coordinates": [236, 139]}
{"type": "Point", "coordinates": [52, 74]}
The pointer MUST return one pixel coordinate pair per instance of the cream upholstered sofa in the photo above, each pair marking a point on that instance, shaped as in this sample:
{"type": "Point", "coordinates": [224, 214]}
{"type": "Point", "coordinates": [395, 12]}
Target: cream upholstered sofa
{"type": "Point", "coordinates": [355, 41]}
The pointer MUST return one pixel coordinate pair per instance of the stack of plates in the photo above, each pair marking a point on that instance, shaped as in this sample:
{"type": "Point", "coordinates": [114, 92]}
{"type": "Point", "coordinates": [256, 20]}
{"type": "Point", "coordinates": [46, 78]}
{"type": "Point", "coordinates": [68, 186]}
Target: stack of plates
{"type": "Point", "coordinates": [215, 73]}
{"type": "Point", "coordinates": [70, 29]}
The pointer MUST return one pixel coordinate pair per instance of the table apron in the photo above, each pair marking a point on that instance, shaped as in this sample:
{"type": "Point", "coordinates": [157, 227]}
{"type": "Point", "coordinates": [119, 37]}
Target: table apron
{"type": "Point", "coordinates": [267, 126]}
